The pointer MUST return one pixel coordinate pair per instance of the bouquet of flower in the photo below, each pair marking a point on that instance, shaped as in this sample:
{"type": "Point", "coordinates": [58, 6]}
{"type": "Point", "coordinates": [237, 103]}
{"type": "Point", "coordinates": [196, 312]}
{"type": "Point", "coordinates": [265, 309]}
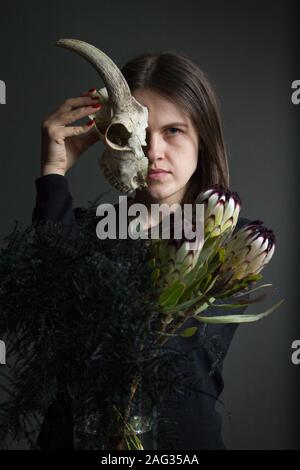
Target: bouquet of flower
{"type": "Point", "coordinates": [226, 265]}
{"type": "Point", "coordinates": [87, 322]}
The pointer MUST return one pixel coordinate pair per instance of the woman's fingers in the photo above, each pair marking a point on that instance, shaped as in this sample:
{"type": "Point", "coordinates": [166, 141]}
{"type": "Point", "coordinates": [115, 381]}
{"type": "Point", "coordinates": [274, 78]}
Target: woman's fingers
{"type": "Point", "coordinates": [58, 124]}
{"type": "Point", "coordinates": [71, 104]}
{"type": "Point", "coordinates": [78, 130]}
{"type": "Point", "coordinates": [74, 103]}
{"type": "Point", "coordinates": [65, 118]}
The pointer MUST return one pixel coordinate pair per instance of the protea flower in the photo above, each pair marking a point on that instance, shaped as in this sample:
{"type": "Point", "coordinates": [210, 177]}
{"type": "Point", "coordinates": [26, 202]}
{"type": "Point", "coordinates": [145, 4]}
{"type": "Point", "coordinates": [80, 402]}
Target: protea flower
{"type": "Point", "coordinates": [222, 209]}
{"type": "Point", "coordinates": [249, 250]}
{"type": "Point", "coordinates": [175, 260]}
{"type": "Point", "coordinates": [225, 264]}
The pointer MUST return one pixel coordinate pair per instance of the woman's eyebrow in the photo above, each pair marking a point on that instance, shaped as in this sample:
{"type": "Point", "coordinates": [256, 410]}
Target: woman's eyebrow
{"type": "Point", "coordinates": [173, 124]}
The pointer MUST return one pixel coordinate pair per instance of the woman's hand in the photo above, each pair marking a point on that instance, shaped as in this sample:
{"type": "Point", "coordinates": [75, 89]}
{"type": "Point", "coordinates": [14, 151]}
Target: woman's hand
{"type": "Point", "coordinates": [63, 144]}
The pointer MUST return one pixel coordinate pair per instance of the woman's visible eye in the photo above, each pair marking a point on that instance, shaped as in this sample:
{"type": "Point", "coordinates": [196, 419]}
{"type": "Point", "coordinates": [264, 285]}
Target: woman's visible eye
{"type": "Point", "coordinates": [174, 129]}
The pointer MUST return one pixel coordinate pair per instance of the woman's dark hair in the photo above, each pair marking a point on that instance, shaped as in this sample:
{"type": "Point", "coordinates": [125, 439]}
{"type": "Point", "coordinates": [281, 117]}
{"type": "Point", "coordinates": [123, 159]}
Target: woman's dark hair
{"type": "Point", "coordinates": [179, 79]}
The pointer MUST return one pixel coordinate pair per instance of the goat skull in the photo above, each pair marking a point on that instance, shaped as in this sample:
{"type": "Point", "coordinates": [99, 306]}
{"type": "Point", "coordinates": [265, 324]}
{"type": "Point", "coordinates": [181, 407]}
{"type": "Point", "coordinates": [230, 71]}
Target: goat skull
{"type": "Point", "coordinates": [121, 122]}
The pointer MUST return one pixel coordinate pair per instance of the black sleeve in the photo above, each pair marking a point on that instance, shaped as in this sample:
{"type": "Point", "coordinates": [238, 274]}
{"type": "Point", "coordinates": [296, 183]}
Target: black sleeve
{"type": "Point", "coordinates": [54, 202]}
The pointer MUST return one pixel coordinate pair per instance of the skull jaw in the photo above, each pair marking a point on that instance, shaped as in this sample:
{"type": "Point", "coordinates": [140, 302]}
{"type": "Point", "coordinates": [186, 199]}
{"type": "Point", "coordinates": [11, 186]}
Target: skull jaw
{"type": "Point", "coordinates": [123, 171]}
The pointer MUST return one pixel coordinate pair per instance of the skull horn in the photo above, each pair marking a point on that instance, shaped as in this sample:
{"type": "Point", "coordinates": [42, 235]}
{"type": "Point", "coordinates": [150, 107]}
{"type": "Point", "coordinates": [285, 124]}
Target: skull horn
{"type": "Point", "coordinates": [115, 83]}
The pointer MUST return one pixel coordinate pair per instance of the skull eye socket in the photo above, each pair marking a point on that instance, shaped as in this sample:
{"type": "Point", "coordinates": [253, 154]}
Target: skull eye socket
{"type": "Point", "coordinates": [118, 134]}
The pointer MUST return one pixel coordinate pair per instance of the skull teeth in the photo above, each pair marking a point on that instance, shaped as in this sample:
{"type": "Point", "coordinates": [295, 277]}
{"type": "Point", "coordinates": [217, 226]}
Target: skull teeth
{"type": "Point", "coordinates": [114, 181]}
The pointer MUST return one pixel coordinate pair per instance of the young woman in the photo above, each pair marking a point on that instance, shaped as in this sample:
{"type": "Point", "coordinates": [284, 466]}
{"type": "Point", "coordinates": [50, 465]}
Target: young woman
{"type": "Point", "coordinates": [186, 153]}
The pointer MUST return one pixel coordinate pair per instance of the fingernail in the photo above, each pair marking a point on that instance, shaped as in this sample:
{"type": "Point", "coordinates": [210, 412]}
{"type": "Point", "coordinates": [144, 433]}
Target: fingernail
{"type": "Point", "coordinates": [90, 123]}
{"type": "Point", "coordinates": [96, 105]}
{"type": "Point", "coordinates": [91, 90]}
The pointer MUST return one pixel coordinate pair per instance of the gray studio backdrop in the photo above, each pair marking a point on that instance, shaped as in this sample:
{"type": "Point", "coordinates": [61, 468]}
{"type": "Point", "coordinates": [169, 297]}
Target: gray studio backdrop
{"type": "Point", "coordinates": [248, 49]}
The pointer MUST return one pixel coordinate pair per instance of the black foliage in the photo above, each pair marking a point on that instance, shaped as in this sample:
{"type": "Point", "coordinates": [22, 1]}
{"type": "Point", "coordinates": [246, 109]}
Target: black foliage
{"type": "Point", "coordinates": [79, 318]}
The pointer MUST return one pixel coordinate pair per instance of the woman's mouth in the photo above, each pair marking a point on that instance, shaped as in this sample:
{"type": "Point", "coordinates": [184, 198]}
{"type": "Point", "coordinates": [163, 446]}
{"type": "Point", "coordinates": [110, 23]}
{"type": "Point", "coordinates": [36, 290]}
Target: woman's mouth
{"type": "Point", "coordinates": [158, 174]}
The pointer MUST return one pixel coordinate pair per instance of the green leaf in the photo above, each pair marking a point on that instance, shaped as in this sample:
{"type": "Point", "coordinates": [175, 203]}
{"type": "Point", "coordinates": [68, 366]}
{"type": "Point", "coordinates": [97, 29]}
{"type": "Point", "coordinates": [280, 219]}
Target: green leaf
{"type": "Point", "coordinates": [193, 280]}
{"type": "Point", "coordinates": [184, 305]}
{"type": "Point", "coordinates": [155, 275]}
{"type": "Point", "coordinates": [189, 332]}
{"type": "Point", "coordinates": [206, 283]}
{"type": "Point", "coordinates": [201, 271]}
{"type": "Point", "coordinates": [171, 295]}
{"type": "Point", "coordinates": [240, 285]}
{"type": "Point", "coordinates": [253, 277]}
{"type": "Point", "coordinates": [217, 260]}
{"type": "Point", "coordinates": [187, 293]}
{"type": "Point", "coordinates": [244, 303]}
{"type": "Point", "coordinates": [244, 318]}
{"type": "Point", "coordinates": [206, 251]}
{"type": "Point", "coordinates": [152, 263]}
{"type": "Point", "coordinates": [250, 291]}
{"type": "Point", "coordinates": [208, 288]}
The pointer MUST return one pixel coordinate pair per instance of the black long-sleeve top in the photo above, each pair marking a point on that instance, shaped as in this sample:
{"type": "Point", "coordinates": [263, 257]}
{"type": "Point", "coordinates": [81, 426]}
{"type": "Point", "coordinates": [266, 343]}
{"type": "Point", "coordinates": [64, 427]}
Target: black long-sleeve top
{"type": "Point", "coordinates": [183, 421]}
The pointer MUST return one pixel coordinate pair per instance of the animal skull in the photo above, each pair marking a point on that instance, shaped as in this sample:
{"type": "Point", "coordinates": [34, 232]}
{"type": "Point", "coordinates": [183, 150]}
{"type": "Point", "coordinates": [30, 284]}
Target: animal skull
{"type": "Point", "coordinates": [121, 122]}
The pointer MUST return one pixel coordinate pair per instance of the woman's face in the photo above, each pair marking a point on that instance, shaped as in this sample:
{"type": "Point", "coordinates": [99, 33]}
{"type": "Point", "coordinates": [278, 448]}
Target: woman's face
{"type": "Point", "coordinates": [172, 145]}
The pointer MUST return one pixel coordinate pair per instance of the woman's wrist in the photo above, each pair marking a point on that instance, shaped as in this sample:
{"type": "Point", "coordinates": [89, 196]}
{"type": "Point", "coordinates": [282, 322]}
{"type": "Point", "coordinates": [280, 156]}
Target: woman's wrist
{"type": "Point", "coordinates": [47, 170]}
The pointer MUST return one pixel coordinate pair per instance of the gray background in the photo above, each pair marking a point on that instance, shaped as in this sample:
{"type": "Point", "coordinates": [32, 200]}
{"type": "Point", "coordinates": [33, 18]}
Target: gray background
{"type": "Point", "coordinates": [248, 50]}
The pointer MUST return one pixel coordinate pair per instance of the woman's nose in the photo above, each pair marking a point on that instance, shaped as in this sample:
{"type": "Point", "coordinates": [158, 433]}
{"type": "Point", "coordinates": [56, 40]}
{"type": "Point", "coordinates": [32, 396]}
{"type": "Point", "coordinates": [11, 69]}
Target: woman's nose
{"type": "Point", "coordinates": [154, 149]}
